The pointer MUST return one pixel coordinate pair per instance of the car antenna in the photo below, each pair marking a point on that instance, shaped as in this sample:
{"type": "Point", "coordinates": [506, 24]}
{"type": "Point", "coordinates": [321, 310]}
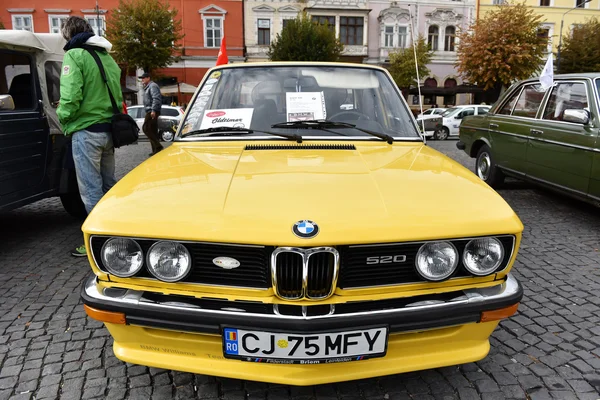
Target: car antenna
{"type": "Point", "coordinates": [412, 34]}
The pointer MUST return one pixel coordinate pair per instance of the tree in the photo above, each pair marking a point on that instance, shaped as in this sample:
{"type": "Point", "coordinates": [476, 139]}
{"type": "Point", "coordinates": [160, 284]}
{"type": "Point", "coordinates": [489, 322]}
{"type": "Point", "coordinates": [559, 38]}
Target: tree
{"type": "Point", "coordinates": [402, 64]}
{"type": "Point", "coordinates": [304, 40]}
{"type": "Point", "coordinates": [2, 24]}
{"type": "Point", "coordinates": [501, 47]}
{"type": "Point", "coordinates": [581, 50]}
{"type": "Point", "coordinates": [144, 33]}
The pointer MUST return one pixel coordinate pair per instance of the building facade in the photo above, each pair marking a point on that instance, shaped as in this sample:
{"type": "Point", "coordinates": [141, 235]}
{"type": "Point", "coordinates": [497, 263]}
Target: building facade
{"type": "Point", "coordinates": [394, 25]}
{"type": "Point", "coordinates": [348, 18]}
{"type": "Point", "coordinates": [204, 24]}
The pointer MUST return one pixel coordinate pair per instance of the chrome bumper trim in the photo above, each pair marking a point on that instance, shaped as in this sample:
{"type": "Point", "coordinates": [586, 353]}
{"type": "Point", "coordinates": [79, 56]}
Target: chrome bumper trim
{"type": "Point", "coordinates": [118, 298]}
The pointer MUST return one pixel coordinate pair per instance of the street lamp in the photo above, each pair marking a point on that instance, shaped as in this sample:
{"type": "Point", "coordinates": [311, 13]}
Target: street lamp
{"type": "Point", "coordinates": [562, 20]}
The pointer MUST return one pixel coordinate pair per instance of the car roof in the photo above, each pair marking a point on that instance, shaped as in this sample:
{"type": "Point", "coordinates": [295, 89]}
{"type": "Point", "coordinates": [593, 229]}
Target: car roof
{"type": "Point", "coordinates": [48, 42]}
{"type": "Point", "coordinates": [589, 75]}
{"type": "Point", "coordinates": [296, 63]}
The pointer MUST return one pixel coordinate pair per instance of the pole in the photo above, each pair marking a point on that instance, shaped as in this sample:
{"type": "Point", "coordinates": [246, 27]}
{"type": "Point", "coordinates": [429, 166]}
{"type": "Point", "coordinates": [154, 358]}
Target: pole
{"type": "Point", "coordinates": [562, 20]}
{"type": "Point", "coordinates": [98, 19]}
{"type": "Point", "coordinates": [412, 35]}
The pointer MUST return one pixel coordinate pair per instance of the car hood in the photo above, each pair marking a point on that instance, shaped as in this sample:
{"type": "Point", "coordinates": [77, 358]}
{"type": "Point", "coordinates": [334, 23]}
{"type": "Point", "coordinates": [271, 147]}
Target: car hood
{"type": "Point", "coordinates": [371, 192]}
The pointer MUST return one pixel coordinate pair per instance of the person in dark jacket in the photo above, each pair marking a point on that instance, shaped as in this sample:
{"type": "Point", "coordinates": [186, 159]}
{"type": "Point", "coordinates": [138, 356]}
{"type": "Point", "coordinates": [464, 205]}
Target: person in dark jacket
{"type": "Point", "coordinates": [152, 105]}
{"type": "Point", "coordinates": [85, 111]}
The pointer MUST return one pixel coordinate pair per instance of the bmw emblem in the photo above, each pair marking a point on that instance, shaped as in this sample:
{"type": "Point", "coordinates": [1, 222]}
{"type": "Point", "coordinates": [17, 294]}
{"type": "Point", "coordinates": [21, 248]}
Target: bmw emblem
{"type": "Point", "coordinates": [305, 229]}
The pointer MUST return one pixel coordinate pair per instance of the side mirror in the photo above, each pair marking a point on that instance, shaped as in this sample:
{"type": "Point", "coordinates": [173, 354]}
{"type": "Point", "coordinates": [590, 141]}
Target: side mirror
{"type": "Point", "coordinates": [6, 102]}
{"type": "Point", "coordinates": [458, 116]}
{"type": "Point", "coordinates": [577, 116]}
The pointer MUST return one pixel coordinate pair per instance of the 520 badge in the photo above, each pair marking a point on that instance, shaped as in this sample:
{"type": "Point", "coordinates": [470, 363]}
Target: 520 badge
{"type": "Point", "coordinates": [304, 348]}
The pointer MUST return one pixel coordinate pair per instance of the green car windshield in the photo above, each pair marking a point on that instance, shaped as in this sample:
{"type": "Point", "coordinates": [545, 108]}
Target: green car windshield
{"type": "Point", "coordinates": [256, 98]}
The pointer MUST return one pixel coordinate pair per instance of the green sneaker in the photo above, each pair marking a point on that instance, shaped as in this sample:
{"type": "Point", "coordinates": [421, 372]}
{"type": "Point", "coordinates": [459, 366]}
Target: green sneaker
{"type": "Point", "coordinates": [79, 251]}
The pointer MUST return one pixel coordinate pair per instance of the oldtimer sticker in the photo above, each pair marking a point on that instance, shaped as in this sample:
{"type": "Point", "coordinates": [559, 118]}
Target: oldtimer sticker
{"type": "Point", "coordinates": [215, 75]}
{"type": "Point", "coordinates": [234, 117]}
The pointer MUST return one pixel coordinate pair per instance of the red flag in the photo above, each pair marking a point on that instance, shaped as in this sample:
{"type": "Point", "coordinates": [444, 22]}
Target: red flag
{"type": "Point", "coordinates": [222, 57]}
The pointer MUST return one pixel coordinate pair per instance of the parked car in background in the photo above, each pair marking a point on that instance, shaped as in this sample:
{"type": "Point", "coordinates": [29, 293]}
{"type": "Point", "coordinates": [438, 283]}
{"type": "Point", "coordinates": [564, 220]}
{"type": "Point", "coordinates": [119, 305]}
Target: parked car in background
{"type": "Point", "coordinates": [548, 137]}
{"type": "Point", "coordinates": [433, 110]}
{"type": "Point", "coordinates": [35, 161]}
{"type": "Point", "coordinates": [454, 115]}
{"type": "Point", "coordinates": [430, 125]}
{"type": "Point", "coordinates": [170, 117]}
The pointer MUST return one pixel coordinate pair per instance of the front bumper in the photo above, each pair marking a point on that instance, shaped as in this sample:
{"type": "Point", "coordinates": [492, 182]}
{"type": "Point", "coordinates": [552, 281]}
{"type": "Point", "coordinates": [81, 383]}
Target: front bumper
{"type": "Point", "coordinates": [190, 314]}
{"type": "Point", "coordinates": [186, 337]}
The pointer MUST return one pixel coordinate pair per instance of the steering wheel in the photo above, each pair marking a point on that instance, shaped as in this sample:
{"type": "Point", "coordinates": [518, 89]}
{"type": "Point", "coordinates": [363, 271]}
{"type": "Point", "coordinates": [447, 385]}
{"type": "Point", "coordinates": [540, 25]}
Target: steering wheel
{"type": "Point", "coordinates": [360, 116]}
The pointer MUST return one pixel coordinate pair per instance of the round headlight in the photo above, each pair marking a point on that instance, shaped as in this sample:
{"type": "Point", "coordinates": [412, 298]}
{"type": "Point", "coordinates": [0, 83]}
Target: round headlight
{"type": "Point", "coordinates": [436, 261]}
{"type": "Point", "coordinates": [169, 261]}
{"type": "Point", "coordinates": [122, 257]}
{"type": "Point", "coordinates": [483, 256]}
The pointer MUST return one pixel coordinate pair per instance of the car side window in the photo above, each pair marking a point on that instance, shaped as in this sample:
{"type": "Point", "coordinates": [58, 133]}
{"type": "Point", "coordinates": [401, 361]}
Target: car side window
{"type": "Point", "coordinates": [169, 112]}
{"type": "Point", "coordinates": [482, 110]}
{"type": "Point", "coordinates": [16, 79]}
{"type": "Point", "coordinates": [466, 112]}
{"type": "Point", "coordinates": [529, 101]}
{"type": "Point", "coordinates": [565, 96]}
{"type": "Point", "coordinates": [508, 106]}
{"type": "Point", "coordinates": [132, 112]}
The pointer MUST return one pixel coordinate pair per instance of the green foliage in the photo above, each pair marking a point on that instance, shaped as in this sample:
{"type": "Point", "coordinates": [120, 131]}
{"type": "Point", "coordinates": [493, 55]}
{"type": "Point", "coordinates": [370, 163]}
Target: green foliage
{"type": "Point", "coordinates": [2, 24]}
{"type": "Point", "coordinates": [304, 40]}
{"type": "Point", "coordinates": [502, 46]}
{"type": "Point", "coordinates": [581, 51]}
{"type": "Point", "coordinates": [144, 33]}
{"type": "Point", "coordinates": [402, 64]}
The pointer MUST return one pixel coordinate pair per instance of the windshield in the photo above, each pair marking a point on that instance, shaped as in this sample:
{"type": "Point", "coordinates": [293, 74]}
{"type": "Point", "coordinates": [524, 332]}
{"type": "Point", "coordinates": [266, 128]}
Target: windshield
{"type": "Point", "coordinates": [257, 98]}
{"type": "Point", "coordinates": [451, 112]}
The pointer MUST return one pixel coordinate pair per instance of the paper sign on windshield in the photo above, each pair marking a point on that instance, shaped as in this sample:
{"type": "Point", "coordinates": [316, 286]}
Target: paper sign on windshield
{"type": "Point", "coordinates": [230, 117]}
{"type": "Point", "coordinates": [302, 106]}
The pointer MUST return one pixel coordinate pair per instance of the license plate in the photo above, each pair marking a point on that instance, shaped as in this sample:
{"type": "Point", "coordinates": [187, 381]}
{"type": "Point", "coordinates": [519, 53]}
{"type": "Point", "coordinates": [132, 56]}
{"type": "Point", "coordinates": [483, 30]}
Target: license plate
{"type": "Point", "coordinates": [293, 348]}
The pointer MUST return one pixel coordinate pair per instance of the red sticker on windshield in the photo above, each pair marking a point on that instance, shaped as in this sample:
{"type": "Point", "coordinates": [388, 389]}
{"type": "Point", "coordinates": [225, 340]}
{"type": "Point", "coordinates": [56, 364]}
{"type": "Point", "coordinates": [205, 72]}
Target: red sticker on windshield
{"type": "Point", "coordinates": [215, 114]}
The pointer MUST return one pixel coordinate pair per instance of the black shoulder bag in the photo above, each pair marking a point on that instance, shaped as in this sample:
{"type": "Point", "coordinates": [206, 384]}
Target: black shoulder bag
{"type": "Point", "coordinates": [124, 130]}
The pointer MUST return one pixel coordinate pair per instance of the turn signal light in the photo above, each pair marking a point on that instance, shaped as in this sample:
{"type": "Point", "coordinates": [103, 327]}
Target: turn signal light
{"type": "Point", "coordinates": [105, 316]}
{"type": "Point", "coordinates": [495, 315]}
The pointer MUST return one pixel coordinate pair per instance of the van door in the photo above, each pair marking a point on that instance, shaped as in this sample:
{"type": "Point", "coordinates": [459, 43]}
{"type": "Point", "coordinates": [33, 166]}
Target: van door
{"type": "Point", "coordinates": [24, 131]}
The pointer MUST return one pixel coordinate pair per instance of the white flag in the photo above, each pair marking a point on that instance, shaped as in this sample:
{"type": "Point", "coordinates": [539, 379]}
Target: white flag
{"type": "Point", "coordinates": [547, 76]}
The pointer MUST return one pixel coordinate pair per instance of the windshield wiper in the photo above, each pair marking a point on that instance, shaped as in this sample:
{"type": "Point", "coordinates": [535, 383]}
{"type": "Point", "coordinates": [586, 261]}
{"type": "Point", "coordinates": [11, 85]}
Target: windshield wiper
{"type": "Point", "coordinates": [322, 124]}
{"type": "Point", "coordinates": [232, 130]}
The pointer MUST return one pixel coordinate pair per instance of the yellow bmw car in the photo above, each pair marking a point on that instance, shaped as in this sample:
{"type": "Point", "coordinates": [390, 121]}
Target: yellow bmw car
{"type": "Point", "coordinates": [293, 233]}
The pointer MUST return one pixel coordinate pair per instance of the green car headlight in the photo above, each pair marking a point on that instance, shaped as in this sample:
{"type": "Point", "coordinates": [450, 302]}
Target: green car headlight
{"type": "Point", "coordinates": [483, 256]}
{"type": "Point", "coordinates": [169, 261]}
{"type": "Point", "coordinates": [436, 261]}
{"type": "Point", "coordinates": [122, 257]}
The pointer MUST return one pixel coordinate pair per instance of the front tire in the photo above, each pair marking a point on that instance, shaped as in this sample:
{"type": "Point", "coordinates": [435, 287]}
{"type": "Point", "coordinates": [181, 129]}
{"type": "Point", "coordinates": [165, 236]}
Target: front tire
{"type": "Point", "coordinates": [73, 205]}
{"type": "Point", "coordinates": [442, 134]}
{"type": "Point", "coordinates": [487, 169]}
{"type": "Point", "coordinates": [166, 136]}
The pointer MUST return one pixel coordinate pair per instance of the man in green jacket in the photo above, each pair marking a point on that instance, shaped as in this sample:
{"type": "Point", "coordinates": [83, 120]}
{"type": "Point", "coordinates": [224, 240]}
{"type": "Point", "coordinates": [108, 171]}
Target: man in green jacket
{"type": "Point", "coordinates": [85, 110]}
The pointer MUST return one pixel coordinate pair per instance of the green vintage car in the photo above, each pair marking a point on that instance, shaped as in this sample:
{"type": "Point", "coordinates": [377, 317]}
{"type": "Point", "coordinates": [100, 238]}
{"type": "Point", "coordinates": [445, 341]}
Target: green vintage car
{"type": "Point", "coordinates": [550, 137]}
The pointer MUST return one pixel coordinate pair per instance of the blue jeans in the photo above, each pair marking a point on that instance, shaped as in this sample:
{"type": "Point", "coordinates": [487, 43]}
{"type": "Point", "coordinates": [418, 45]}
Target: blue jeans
{"type": "Point", "coordinates": [94, 157]}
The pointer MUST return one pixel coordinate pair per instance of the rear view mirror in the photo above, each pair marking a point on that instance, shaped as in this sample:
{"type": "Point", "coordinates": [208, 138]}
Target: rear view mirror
{"type": "Point", "coordinates": [577, 116]}
{"type": "Point", "coordinates": [6, 102]}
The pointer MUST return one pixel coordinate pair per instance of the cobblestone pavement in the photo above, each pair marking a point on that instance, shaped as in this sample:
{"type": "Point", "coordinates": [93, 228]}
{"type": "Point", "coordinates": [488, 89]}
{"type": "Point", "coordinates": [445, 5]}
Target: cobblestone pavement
{"type": "Point", "coordinates": [549, 350]}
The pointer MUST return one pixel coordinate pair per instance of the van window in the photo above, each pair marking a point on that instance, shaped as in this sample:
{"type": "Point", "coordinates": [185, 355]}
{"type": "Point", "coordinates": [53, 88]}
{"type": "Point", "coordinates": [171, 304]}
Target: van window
{"type": "Point", "coordinates": [16, 79]}
{"type": "Point", "coordinates": [52, 69]}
